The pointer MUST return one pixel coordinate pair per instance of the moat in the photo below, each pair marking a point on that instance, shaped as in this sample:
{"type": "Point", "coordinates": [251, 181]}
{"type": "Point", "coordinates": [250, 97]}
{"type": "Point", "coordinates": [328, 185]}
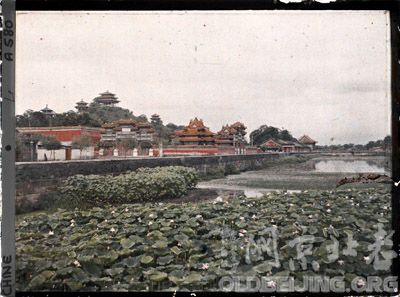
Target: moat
{"type": "Point", "coordinates": [320, 173]}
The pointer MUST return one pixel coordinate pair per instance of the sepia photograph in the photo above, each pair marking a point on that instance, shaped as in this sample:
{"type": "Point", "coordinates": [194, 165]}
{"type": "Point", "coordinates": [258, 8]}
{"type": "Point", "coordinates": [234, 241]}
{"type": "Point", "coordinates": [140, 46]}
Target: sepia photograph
{"type": "Point", "coordinates": [217, 151]}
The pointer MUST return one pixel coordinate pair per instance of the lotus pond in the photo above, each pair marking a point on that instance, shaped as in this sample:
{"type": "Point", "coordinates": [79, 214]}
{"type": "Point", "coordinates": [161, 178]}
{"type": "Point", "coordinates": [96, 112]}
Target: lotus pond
{"type": "Point", "coordinates": [191, 246]}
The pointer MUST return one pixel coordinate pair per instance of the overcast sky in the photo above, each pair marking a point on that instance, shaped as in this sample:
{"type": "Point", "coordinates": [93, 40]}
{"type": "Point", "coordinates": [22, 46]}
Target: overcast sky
{"type": "Point", "coordinates": [324, 74]}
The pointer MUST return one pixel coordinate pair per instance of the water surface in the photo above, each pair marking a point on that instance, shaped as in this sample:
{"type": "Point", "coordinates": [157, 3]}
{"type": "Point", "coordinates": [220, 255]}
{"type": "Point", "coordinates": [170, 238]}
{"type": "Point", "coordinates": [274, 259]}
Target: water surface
{"type": "Point", "coordinates": [321, 173]}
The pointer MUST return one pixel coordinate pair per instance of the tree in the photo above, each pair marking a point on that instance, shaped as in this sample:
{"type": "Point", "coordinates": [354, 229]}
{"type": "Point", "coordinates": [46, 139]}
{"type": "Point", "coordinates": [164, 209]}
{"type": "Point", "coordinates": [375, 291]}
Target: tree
{"type": "Point", "coordinates": [81, 143]}
{"type": "Point", "coordinates": [127, 144]}
{"type": "Point", "coordinates": [264, 132]}
{"type": "Point", "coordinates": [285, 135]}
{"type": "Point", "coordinates": [51, 144]}
{"type": "Point", "coordinates": [370, 145]}
{"type": "Point", "coordinates": [387, 142]}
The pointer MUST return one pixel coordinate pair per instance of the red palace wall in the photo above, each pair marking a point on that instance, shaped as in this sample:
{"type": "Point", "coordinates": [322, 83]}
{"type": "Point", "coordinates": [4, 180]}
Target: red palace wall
{"type": "Point", "coordinates": [64, 134]}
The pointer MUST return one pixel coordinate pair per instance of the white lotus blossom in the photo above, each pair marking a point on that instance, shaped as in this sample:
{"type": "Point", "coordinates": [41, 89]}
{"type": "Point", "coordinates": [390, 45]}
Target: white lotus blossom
{"type": "Point", "coordinates": [366, 259]}
{"type": "Point", "coordinates": [219, 199]}
{"type": "Point", "coordinates": [77, 264]}
{"type": "Point", "coordinates": [328, 205]}
{"type": "Point", "coordinates": [241, 234]}
{"type": "Point", "coordinates": [113, 212]}
{"type": "Point", "coordinates": [172, 221]}
{"type": "Point", "coordinates": [106, 220]}
{"type": "Point", "coordinates": [126, 209]}
{"type": "Point", "coordinates": [205, 266]}
{"type": "Point", "coordinates": [151, 215]}
{"type": "Point", "coordinates": [340, 262]}
{"type": "Point", "coordinates": [310, 216]}
{"type": "Point", "coordinates": [241, 218]}
{"type": "Point", "coordinates": [254, 216]}
{"type": "Point", "coordinates": [139, 220]}
{"type": "Point", "coordinates": [271, 284]}
{"type": "Point", "coordinates": [113, 230]}
{"type": "Point", "coordinates": [328, 210]}
{"type": "Point", "coordinates": [199, 216]}
{"type": "Point", "coordinates": [315, 266]}
{"type": "Point", "coordinates": [72, 225]}
{"type": "Point", "coordinates": [72, 221]}
{"type": "Point", "coordinates": [150, 223]}
{"type": "Point", "coordinates": [51, 232]}
{"type": "Point", "coordinates": [384, 207]}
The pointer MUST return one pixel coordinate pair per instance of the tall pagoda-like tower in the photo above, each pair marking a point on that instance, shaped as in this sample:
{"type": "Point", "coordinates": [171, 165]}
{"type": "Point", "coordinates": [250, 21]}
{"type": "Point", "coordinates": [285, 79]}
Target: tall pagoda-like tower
{"type": "Point", "coordinates": [81, 106]}
{"type": "Point", "coordinates": [106, 98]}
{"type": "Point", "coordinates": [196, 133]}
{"type": "Point", "coordinates": [47, 111]}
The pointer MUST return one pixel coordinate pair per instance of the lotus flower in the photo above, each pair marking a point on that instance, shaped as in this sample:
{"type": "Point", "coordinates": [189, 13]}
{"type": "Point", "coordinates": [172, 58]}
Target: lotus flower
{"type": "Point", "coordinates": [271, 284]}
{"type": "Point", "coordinates": [77, 264]}
{"type": "Point", "coordinates": [205, 266]}
{"type": "Point", "coordinates": [51, 232]}
{"type": "Point", "coordinates": [113, 230]}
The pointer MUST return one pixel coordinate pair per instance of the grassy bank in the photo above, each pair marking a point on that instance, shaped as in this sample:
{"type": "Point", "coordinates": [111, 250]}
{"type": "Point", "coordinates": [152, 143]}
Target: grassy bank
{"type": "Point", "coordinates": [158, 246]}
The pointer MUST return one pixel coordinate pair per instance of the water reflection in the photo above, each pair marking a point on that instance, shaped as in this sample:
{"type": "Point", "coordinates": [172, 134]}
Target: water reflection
{"type": "Point", "coordinates": [348, 166]}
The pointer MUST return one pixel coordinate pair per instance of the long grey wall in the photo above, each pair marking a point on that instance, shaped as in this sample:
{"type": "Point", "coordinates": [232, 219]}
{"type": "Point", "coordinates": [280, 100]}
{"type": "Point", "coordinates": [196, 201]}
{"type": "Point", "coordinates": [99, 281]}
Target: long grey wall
{"type": "Point", "coordinates": [35, 178]}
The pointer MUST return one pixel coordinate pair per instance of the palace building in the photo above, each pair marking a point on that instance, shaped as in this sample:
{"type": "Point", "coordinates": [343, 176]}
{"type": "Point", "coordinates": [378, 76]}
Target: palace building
{"type": "Point", "coordinates": [106, 98]}
{"type": "Point", "coordinates": [308, 141]}
{"type": "Point", "coordinates": [128, 129]}
{"type": "Point", "coordinates": [197, 139]}
{"type": "Point", "coordinates": [196, 133]}
{"type": "Point", "coordinates": [232, 136]}
{"type": "Point", "coordinates": [81, 106]}
{"type": "Point", "coordinates": [280, 145]}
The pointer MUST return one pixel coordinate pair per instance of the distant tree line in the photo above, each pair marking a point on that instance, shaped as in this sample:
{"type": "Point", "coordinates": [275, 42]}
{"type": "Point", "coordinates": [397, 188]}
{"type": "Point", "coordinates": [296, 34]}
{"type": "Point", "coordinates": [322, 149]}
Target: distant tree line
{"type": "Point", "coordinates": [384, 144]}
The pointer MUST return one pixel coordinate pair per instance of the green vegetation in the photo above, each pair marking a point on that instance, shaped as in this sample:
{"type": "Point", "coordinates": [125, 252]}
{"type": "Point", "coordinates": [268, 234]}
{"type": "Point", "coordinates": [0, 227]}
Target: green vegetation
{"type": "Point", "coordinates": [156, 246]}
{"type": "Point", "coordinates": [142, 185]}
{"type": "Point", "coordinates": [384, 144]}
{"type": "Point", "coordinates": [95, 116]}
{"type": "Point", "coordinates": [264, 132]}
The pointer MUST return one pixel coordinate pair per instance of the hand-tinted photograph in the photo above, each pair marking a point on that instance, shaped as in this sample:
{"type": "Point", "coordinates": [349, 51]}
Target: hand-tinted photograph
{"type": "Point", "coordinates": [226, 151]}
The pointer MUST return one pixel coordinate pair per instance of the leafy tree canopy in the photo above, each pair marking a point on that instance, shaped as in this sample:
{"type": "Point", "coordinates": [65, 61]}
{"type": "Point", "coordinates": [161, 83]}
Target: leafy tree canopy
{"type": "Point", "coordinates": [264, 132]}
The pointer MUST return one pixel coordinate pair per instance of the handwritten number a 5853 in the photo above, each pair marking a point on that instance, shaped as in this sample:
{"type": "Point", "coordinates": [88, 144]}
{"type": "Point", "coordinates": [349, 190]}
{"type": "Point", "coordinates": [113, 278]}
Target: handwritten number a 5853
{"type": "Point", "coordinates": [8, 39]}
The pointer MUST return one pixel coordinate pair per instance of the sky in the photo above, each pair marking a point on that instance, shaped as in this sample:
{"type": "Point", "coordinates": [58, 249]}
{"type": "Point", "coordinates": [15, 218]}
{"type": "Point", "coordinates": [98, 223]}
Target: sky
{"type": "Point", "coordinates": [321, 73]}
